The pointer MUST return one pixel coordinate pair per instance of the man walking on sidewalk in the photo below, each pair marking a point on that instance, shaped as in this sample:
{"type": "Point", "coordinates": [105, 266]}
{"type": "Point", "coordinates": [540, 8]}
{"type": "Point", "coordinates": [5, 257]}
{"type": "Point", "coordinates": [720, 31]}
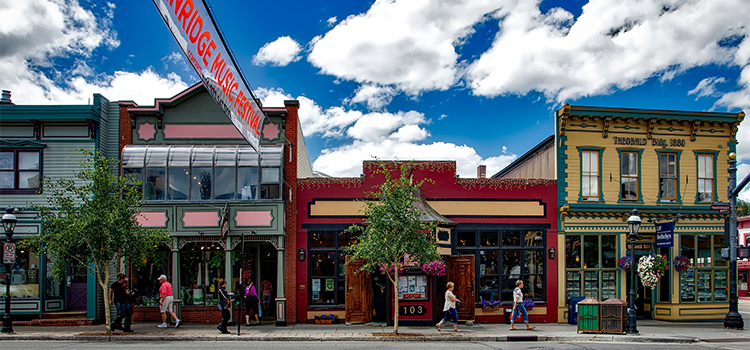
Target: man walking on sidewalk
{"type": "Point", "coordinates": [166, 302]}
{"type": "Point", "coordinates": [119, 296]}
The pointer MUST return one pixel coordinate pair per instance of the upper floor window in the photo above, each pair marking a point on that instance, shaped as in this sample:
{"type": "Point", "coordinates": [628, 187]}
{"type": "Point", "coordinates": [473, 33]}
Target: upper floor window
{"type": "Point", "coordinates": [590, 175]}
{"type": "Point", "coordinates": [668, 176]}
{"type": "Point", "coordinates": [629, 175]}
{"type": "Point", "coordinates": [705, 177]}
{"type": "Point", "coordinates": [20, 170]}
{"type": "Point", "coordinates": [204, 173]}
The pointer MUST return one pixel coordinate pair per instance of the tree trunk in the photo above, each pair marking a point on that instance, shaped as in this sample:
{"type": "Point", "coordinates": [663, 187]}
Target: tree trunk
{"type": "Point", "coordinates": [105, 290]}
{"type": "Point", "coordinates": [395, 300]}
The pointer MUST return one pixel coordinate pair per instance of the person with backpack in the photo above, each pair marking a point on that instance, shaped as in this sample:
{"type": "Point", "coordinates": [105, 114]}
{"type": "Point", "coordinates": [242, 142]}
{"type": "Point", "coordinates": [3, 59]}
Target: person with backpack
{"type": "Point", "coordinates": [251, 303]}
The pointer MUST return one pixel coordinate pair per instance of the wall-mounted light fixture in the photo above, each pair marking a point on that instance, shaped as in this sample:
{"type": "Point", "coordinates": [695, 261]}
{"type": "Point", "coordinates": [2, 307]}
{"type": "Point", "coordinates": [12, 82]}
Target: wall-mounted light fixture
{"type": "Point", "coordinates": [552, 252]}
{"type": "Point", "coordinates": [301, 254]}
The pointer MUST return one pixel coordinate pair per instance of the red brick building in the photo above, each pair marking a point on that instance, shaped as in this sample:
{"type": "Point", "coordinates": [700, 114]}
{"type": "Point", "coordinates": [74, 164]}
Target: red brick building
{"type": "Point", "coordinates": [496, 231]}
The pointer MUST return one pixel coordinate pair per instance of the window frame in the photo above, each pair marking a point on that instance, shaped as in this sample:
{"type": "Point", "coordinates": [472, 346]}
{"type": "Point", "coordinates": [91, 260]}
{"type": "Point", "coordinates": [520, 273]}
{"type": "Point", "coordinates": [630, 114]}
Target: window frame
{"type": "Point", "coordinates": [714, 156]}
{"type": "Point", "coordinates": [695, 270]}
{"type": "Point", "coordinates": [639, 152]}
{"type": "Point", "coordinates": [582, 268]}
{"type": "Point", "coordinates": [16, 171]}
{"type": "Point", "coordinates": [678, 197]}
{"type": "Point", "coordinates": [339, 280]}
{"type": "Point", "coordinates": [600, 196]}
{"type": "Point", "coordinates": [522, 248]}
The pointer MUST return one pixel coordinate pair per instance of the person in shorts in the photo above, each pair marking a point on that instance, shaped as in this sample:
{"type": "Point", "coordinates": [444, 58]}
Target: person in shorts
{"type": "Point", "coordinates": [166, 303]}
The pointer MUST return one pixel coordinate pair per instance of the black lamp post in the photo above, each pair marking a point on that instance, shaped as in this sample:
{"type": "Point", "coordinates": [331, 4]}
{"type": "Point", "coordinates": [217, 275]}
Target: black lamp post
{"type": "Point", "coordinates": [634, 222]}
{"type": "Point", "coordinates": [733, 319]}
{"type": "Point", "coordinates": [9, 224]}
{"type": "Point", "coordinates": [242, 280]}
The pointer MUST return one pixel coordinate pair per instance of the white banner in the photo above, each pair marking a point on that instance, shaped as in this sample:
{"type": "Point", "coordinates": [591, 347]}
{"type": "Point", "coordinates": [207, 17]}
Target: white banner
{"type": "Point", "coordinates": [195, 31]}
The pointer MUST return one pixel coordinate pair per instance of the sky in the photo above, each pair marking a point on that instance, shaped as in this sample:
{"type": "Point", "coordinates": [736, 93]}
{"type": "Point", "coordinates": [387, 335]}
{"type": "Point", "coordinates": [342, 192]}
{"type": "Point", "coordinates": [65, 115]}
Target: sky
{"type": "Point", "coordinates": [475, 81]}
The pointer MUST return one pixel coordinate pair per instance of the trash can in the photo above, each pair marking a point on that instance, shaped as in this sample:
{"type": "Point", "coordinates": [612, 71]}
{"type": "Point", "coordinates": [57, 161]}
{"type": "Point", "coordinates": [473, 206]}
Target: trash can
{"type": "Point", "coordinates": [614, 316]}
{"type": "Point", "coordinates": [573, 309]}
{"type": "Point", "coordinates": [508, 314]}
{"type": "Point", "coordinates": [588, 315]}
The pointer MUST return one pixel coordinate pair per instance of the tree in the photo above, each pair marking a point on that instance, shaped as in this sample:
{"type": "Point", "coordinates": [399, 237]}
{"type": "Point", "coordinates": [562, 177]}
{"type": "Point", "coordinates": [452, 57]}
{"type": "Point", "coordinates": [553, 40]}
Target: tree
{"type": "Point", "coordinates": [91, 219]}
{"type": "Point", "coordinates": [394, 233]}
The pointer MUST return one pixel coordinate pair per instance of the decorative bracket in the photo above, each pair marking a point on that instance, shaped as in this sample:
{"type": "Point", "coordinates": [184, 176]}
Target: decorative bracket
{"type": "Point", "coordinates": [694, 130]}
{"type": "Point", "coordinates": [650, 128]}
{"type": "Point", "coordinates": [37, 129]}
{"type": "Point", "coordinates": [605, 127]}
{"type": "Point", "coordinates": [92, 128]}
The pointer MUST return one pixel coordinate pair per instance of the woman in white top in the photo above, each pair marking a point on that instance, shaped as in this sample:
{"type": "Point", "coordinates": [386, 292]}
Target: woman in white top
{"type": "Point", "coordinates": [450, 308]}
{"type": "Point", "coordinates": [518, 307]}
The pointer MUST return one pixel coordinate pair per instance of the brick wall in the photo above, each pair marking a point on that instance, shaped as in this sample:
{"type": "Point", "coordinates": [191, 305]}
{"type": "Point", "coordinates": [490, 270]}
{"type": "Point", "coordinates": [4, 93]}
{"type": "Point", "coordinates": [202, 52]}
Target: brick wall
{"type": "Point", "coordinates": [126, 130]}
{"type": "Point", "coordinates": [190, 314]}
{"type": "Point", "coordinates": [290, 239]}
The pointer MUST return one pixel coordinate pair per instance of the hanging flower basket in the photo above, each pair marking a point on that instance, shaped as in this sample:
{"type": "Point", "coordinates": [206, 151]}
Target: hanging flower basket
{"type": "Point", "coordinates": [625, 263]}
{"type": "Point", "coordinates": [651, 268]}
{"type": "Point", "coordinates": [435, 268]}
{"type": "Point", "coordinates": [681, 263]}
{"type": "Point", "coordinates": [391, 270]}
{"type": "Point", "coordinates": [491, 305]}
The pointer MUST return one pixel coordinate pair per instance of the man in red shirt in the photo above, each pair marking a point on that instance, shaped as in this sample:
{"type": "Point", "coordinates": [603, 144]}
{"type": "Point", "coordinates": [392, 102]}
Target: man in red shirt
{"type": "Point", "coordinates": [166, 302]}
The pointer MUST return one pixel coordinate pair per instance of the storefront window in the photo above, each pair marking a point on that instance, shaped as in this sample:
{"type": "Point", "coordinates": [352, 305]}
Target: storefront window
{"type": "Point", "coordinates": [145, 281]}
{"type": "Point", "coordinates": [598, 275]}
{"type": "Point", "coordinates": [247, 174]}
{"type": "Point", "coordinates": [155, 184]}
{"type": "Point", "coordinates": [412, 287]}
{"type": "Point", "coordinates": [706, 281]}
{"type": "Point", "coordinates": [24, 276]}
{"type": "Point", "coordinates": [201, 174]}
{"type": "Point", "coordinates": [54, 286]}
{"type": "Point", "coordinates": [202, 267]}
{"type": "Point", "coordinates": [327, 265]}
{"type": "Point", "coordinates": [503, 257]}
{"type": "Point", "coordinates": [226, 165]}
{"type": "Point", "coordinates": [179, 174]}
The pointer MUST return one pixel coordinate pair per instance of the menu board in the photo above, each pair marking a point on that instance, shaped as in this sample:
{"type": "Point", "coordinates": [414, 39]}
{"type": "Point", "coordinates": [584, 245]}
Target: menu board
{"type": "Point", "coordinates": [412, 287]}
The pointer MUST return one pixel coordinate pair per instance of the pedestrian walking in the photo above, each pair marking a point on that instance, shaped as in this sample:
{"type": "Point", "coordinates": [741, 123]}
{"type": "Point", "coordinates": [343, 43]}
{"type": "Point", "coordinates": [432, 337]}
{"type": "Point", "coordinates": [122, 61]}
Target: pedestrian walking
{"type": "Point", "coordinates": [519, 308]}
{"type": "Point", "coordinates": [166, 303]}
{"type": "Point", "coordinates": [450, 308]}
{"type": "Point", "coordinates": [251, 303]}
{"type": "Point", "coordinates": [120, 297]}
{"type": "Point", "coordinates": [224, 305]}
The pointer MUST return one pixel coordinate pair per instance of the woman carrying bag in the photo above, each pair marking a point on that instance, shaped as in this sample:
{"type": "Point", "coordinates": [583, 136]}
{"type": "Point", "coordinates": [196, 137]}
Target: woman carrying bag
{"type": "Point", "coordinates": [251, 303]}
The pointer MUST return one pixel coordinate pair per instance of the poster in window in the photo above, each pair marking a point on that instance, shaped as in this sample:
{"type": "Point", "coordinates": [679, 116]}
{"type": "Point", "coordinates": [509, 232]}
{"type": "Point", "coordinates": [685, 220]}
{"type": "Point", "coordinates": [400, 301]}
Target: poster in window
{"type": "Point", "coordinates": [412, 284]}
{"type": "Point", "coordinates": [316, 296]}
{"type": "Point", "coordinates": [316, 285]}
{"type": "Point", "coordinates": [402, 284]}
{"type": "Point", "coordinates": [329, 284]}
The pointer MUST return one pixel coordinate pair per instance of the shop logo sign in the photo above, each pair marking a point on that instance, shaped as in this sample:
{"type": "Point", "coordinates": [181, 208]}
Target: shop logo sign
{"type": "Point", "coordinates": [665, 234]}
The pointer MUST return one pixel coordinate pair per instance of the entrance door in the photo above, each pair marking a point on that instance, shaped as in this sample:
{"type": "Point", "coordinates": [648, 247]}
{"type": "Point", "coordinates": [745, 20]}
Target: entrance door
{"type": "Point", "coordinates": [462, 276]}
{"type": "Point", "coordinates": [357, 292]}
{"type": "Point", "coordinates": [77, 287]}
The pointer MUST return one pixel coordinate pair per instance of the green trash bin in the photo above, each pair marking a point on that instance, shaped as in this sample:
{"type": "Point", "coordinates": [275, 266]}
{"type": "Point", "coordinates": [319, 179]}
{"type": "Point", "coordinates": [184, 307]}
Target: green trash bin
{"type": "Point", "coordinates": [588, 315]}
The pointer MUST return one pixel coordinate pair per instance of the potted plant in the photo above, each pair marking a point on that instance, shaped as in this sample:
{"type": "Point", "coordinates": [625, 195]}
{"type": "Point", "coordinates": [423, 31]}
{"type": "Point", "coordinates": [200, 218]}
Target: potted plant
{"type": "Point", "coordinates": [326, 319]}
{"type": "Point", "coordinates": [435, 268]}
{"type": "Point", "coordinates": [491, 305]}
{"type": "Point", "coordinates": [651, 268]}
{"type": "Point", "coordinates": [681, 263]}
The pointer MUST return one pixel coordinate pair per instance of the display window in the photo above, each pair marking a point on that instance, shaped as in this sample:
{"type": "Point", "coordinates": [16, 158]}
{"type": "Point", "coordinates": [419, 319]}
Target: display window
{"type": "Point", "coordinates": [413, 287]}
{"type": "Point", "coordinates": [23, 274]}
{"type": "Point", "coordinates": [327, 265]}
{"type": "Point", "coordinates": [591, 266]}
{"type": "Point", "coordinates": [706, 280]}
{"type": "Point", "coordinates": [202, 267]}
{"type": "Point", "coordinates": [144, 282]}
{"type": "Point", "coordinates": [503, 257]}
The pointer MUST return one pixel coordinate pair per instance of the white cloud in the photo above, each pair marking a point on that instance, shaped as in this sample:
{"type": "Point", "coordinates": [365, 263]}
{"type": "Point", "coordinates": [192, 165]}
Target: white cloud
{"type": "Point", "coordinates": [706, 87]}
{"type": "Point", "coordinates": [375, 97]}
{"type": "Point", "coordinates": [373, 127]}
{"type": "Point", "coordinates": [612, 44]}
{"type": "Point", "coordinates": [331, 21]}
{"type": "Point", "coordinates": [409, 44]}
{"type": "Point", "coordinates": [36, 33]}
{"type": "Point", "coordinates": [278, 53]}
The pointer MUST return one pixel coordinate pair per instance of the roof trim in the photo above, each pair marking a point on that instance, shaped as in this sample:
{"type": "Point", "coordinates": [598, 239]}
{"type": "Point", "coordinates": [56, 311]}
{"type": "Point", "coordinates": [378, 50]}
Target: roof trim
{"type": "Point", "coordinates": [548, 142]}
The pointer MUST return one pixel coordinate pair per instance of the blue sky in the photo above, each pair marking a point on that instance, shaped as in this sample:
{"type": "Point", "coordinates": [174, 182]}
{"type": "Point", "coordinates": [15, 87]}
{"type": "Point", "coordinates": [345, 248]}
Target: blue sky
{"type": "Point", "coordinates": [476, 81]}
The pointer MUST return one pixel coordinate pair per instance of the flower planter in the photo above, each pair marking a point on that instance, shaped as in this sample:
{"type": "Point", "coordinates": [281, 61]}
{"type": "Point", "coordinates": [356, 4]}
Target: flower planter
{"type": "Point", "coordinates": [323, 321]}
{"type": "Point", "coordinates": [491, 308]}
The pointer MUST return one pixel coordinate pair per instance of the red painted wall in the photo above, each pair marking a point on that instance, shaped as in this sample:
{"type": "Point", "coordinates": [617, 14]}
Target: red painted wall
{"type": "Point", "coordinates": [445, 186]}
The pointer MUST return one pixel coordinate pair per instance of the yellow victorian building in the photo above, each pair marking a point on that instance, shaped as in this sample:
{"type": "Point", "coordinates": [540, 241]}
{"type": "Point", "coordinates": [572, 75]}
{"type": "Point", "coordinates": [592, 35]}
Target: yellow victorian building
{"type": "Point", "coordinates": [670, 165]}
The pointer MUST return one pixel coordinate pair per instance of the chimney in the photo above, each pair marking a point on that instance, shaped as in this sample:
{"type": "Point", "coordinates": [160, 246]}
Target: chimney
{"type": "Point", "coordinates": [5, 100]}
{"type": "Point", "coordinates": [481, 172]}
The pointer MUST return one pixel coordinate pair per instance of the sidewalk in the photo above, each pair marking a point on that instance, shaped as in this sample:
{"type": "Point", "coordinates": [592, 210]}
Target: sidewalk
{"type": "Point", "coordinates": [650, 331]}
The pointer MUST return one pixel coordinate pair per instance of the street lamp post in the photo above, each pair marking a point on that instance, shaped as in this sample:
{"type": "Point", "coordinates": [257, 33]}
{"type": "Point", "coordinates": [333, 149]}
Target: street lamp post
{"type": "Point", "coordinates": [242, 280]}
{"type": "Point", "coordinates": [9, 224]}
{"type": "Point", "coordinates": [733, 319]}
{"type": "Point", "coordinates": [634, 222]}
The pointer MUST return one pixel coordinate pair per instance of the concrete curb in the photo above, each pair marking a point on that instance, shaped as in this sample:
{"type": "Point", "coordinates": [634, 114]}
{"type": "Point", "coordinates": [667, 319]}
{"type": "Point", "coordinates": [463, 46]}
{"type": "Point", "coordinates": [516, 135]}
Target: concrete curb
{"type": "Point", "coordinates": [325, 337]}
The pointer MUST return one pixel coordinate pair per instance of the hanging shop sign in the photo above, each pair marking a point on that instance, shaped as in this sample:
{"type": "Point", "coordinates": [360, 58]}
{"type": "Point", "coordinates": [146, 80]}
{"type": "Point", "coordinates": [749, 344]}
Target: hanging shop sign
{"type": "Point", "coordinates": [664, 234]}
{"type": "Point", "coordinates": [194, 28]}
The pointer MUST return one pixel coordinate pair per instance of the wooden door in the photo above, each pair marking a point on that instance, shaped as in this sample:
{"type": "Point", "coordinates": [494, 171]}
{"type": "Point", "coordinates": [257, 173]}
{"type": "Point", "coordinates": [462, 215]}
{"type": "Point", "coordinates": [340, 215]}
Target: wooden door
{"type": "Point", "coordinates": [77, 283]}
{"type": "Point", "coordinates": [358, 291]}
{"type": "Point", "coordinates": [462, 276]}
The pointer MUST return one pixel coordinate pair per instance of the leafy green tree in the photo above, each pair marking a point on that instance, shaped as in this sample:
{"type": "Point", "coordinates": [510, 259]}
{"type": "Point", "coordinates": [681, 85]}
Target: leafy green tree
{"type": "Point", "coordinates": [743, 208]}
{"type": "Point", "coordinates": [91, 220]}
{"type": "Point", "coordinates": [394, 232]}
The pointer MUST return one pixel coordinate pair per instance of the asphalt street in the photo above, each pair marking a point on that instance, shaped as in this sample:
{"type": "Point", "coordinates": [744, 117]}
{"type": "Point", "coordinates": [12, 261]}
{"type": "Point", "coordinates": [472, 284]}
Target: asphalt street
{"type": "Point", "coordinates": [342, 345]}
